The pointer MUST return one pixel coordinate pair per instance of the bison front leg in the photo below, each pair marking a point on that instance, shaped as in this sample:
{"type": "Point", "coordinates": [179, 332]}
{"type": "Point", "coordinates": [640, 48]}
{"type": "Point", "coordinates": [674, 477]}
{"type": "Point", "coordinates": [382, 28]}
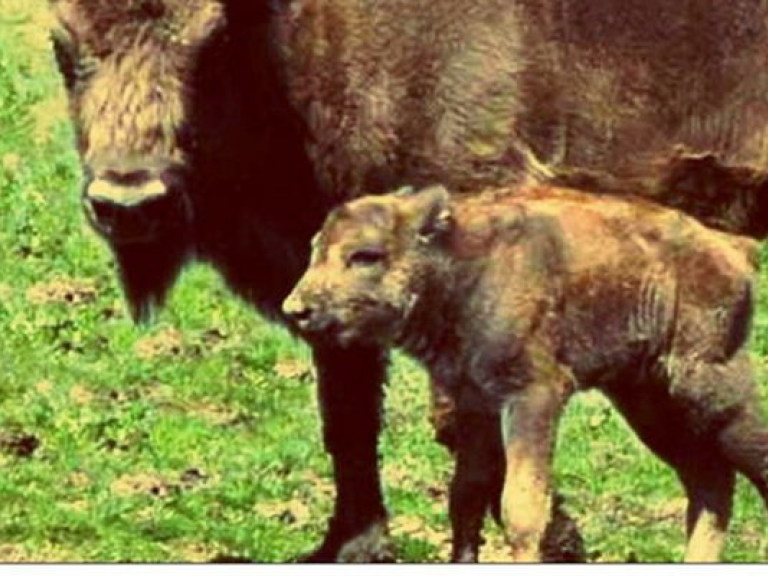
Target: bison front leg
{"type": "Point", "coordinates": [351, 393]}
{"type": "Point", "coordinates": [529, 422]}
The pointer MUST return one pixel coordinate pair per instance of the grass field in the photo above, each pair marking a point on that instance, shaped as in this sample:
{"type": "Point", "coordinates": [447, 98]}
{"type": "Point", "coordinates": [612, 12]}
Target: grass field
{"type": "Point", "coordinates": [199, 437]}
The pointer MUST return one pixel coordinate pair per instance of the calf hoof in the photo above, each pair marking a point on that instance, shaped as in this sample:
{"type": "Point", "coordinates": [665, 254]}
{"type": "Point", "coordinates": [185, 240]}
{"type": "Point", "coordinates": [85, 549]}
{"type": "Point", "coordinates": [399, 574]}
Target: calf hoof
{"type": "Point", "coordinates": [371, 545]}
{"type": "Point", "coordinates": [562, 539]}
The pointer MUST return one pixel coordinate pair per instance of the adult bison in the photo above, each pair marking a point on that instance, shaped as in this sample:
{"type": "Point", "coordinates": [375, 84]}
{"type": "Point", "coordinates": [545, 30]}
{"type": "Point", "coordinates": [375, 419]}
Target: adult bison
{"type": "Point", "coordinates": [225, 130]}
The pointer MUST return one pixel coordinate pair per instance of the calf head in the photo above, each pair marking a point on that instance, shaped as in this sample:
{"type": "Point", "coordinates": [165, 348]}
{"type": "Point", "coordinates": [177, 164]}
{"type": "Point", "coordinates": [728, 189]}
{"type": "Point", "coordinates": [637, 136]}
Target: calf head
{"type": "Point", "coordinates": [370, 264]}
{"type": "Point", "coordinates": [128, 69]}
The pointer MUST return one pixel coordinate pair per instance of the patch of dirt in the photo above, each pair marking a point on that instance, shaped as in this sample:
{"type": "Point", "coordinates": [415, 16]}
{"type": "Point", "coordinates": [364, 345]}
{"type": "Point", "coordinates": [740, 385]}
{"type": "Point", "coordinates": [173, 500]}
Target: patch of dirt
{"type": "Point", "coordinates": [166, 343]}
{"type": "Point", "coordinates": [44, 387]}
{"type": "Point", "coordinates": [495, 550]}
{"type": "Point", "coordinates": [19, 444]}
{"type": "Point", "coordinates": [18, 554]}
{"type": "Point", "coordinates": [323, 487]}
{"type": "Point", "coordinates": [410, 474]}
{"type": "Point", "coordinates": [14, 553]}
{"type": "Point", "coordinates": [72, 291]}
{"type": "Point", "coordinates": [397, 475]}
{"type": "Point", "coordinates": [294, 369]}
{"type": "Point", "coordinates": [143, 483]}
{"type": "Point", "coordinates": [438, 493]}
{"type": "Point", "coordinates": [209, 341]}
{"type": "Point", "coordinates": [157, 485]}
{"type": "Point", "coordinates": [416, 527]}
{"type": "Point", "coordinates": [755, 540]}
{"type": "Point", "coordinates": [10, 162]}
{"type": "Point", "coordinates": [192, 477]}
{"type": "Point", "coordinates": [292, 512]}
{"type": "Point", "coordinates": [218, 415]}
{"type": "Point", "coordinates": [115, 396]}
{"type": "Point", "coordinates": [79, 480]}
{"type": "Point", "coordinates": [76, 505]}
{"type": "Point", "coordinates": [671, 509]}
{"type": "Point", "coordinates": [81, 395]}
{"type": "Point", "coordinates": [197, 552]}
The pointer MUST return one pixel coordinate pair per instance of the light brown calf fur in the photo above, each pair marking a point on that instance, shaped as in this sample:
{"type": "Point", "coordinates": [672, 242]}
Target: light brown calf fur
{"type": "Point", "coordinates": [516, 298]}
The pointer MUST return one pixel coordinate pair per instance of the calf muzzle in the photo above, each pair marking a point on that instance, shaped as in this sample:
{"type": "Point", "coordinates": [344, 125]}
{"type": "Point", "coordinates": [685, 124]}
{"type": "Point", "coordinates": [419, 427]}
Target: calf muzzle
{"type": "Point", "coordinates": [298, 312]}
{"type": "Point", "coordinates": [313, 322]}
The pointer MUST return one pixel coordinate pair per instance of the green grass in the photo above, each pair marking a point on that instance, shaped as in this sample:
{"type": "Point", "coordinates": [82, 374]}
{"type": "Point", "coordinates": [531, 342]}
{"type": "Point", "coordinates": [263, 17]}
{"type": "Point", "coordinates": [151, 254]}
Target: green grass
{"type": "Point", "coordinates": [199, 436]}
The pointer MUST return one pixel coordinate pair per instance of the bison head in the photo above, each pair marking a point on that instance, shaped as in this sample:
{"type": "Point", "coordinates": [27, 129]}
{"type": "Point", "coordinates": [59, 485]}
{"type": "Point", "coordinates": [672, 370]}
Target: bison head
{"type": "Point", "coordinates": [129, 68]}
{"type": "Point", "coordinates": [370, 265]}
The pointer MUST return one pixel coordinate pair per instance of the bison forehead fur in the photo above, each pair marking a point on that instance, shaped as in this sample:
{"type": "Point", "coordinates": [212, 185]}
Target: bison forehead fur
{"type": "Point", "coordinates": [128, 66]}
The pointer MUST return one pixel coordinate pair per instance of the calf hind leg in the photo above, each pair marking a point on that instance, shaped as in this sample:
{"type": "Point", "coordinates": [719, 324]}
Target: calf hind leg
{"type": "Point", "coordinates": [744, 442]}
{"type": "Point", "coordinates": [707, 476]}
{"type": "Point", "coordinates": [726, 405]}
{"type": "Point", "coordinates": [709, 484]}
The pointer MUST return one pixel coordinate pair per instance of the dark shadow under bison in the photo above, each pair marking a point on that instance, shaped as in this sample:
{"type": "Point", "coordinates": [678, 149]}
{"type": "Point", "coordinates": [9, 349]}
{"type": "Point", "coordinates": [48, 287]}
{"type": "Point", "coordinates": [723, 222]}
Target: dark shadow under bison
{"type": "Point", "coordinates": [225, 130]}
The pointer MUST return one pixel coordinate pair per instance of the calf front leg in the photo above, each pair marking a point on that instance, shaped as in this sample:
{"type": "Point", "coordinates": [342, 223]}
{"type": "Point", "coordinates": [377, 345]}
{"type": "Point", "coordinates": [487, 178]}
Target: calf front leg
{"type": "Point", "coordinates": [351, 393]}
{"type": "Point", "coordinates": [529, 425]}
{"type": "Point", "coordinates": [479, 463]}
{"type": "Point", "coordinates": [443, 414]}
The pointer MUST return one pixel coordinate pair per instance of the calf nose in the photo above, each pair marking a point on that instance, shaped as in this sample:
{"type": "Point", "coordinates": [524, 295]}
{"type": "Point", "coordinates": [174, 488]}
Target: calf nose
{"type": "Point", "coordinates": [297, 311]}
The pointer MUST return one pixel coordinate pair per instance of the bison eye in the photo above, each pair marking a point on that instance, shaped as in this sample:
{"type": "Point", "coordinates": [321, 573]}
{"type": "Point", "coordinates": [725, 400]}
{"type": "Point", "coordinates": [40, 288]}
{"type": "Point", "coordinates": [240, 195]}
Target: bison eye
{"type": "Point", "coordinates": [366, 257]}
{"type": "Point", "coordinates": [75, 67]}
{"type": "Point", "coordinates": [66, 59]}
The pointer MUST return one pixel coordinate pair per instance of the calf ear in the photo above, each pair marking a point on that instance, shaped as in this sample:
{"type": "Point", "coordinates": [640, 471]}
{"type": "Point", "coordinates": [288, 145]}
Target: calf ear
{"type": "Point", "coordinates": [428, 210]}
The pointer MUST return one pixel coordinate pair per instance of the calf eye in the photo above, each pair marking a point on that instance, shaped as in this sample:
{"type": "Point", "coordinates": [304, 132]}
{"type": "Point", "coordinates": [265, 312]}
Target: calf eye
{"type": "Point", "coordinates": [366, 257]}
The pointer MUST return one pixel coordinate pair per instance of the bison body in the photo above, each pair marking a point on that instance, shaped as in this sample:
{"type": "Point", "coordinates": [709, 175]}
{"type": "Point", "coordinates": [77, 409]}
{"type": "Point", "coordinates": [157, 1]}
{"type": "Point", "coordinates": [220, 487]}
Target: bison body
{"type": "Point", "coordinates": [663, 98]}
{"type": "Point", "coordinates": [225, 130]}
{"type": "Point", "coordinates": [513, 300]}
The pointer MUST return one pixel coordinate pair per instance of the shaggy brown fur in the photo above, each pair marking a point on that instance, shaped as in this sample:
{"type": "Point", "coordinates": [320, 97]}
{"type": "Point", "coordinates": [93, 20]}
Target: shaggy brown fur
{"type": "Point", "coordinates": [224, 130]}
{"type": "Point", "coordinates": [516, 298]}
{"type": "Point", "coordinates": [614, 95]}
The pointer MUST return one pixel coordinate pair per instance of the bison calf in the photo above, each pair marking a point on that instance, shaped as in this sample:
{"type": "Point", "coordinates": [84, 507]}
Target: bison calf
{"type": "Point", "coordinates": [513, 299]}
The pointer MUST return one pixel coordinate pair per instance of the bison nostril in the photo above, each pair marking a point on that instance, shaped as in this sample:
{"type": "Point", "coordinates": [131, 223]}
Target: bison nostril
{"type": "Point", "coordinates": [301, 315]}
{"type": "Point", "coordinates": [127, 178]}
